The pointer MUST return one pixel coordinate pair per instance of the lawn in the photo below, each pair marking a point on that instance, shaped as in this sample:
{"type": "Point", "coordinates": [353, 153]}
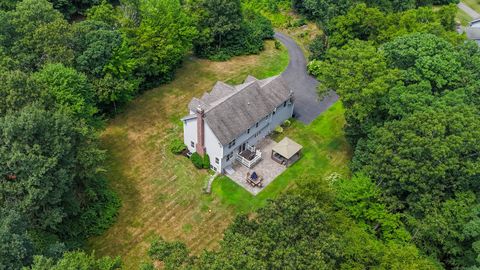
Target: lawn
{"type": "Point", "coordinates": [162, 193]}
{"type": "Point", "coordinates": [325, 151]}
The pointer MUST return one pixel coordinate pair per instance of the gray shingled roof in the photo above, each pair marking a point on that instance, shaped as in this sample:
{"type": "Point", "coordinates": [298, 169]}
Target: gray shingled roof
{"type": "Point", "coordinates": [231, 110]}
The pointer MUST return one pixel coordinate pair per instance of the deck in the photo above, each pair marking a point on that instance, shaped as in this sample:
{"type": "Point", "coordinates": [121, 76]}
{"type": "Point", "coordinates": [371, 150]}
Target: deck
{"type": "Point", "coordinates": [266, 168]}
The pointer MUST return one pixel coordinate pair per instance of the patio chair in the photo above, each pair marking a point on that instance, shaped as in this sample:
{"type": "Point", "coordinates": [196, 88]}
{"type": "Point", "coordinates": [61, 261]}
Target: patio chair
{"type": "Point", "coordinates": [260, 182]}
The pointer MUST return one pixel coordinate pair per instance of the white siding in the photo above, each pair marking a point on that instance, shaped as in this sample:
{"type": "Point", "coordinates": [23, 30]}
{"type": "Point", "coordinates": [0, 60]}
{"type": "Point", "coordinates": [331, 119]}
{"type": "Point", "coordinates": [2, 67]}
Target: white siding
{"type": "Point", "coordinates": [281, 114]}
{"type": "Point", "coordinates": [214, 148]}
{"type": "Point", "coordinates": [190, 133]}
{"type": "Point", "coordinates": [212, 145]}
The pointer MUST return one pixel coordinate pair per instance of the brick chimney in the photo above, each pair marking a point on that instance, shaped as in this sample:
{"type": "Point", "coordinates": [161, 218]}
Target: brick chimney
{"type": "Point", "coordinates": [200, 131]}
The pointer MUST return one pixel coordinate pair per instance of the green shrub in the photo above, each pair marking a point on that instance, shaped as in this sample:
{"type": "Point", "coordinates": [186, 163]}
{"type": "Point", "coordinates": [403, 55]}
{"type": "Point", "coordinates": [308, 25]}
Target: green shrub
{"type": "Point", "coordinates": [318, 47]}
{"type": "Point", "coordinates": [287, 123]}
{"type": "Point", "coordinates": [278, 45]}
{"type": "Point", "coordinates": [197, 160]}
{"type": "Point", "coordinates": [299, 22]}
{"type": "Point", "coordinates": [173, 254]}
{"type": "Point", "coordinates": [206, 161]}
{"type": "Point", "coordinates": [279, 129]}
{"type": "Point", "coordinates": [247, 38]}
{"type": "Point", "coordinates": [147, 266]}
{"type": "Point", "coordinates": [177, 146]}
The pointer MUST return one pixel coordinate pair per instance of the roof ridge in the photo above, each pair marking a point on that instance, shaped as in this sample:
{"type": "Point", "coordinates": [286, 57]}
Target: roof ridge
{"type": "Point", "coordinates": [270, 79]}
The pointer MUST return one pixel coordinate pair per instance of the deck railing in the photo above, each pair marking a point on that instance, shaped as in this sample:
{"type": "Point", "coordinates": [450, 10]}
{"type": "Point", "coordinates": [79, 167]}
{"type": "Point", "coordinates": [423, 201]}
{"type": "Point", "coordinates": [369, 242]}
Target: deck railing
{"type": "Point", "coordinates": [250, 163]}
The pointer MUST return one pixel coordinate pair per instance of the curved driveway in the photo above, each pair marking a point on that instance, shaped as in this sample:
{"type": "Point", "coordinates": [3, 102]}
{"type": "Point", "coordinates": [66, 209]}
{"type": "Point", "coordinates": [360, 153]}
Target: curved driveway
{"type": "Point", "coordinates": [470, 11]}
{"type": "Point", "coordinates": [307, 103]}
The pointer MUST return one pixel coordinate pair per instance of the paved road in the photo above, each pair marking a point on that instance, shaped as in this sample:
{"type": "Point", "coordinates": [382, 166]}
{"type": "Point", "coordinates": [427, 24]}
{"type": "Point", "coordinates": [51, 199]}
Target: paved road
{"type": "Point", "coordinates": [472, 13]}
{"type": "Point", "coordinates": [307, 103]}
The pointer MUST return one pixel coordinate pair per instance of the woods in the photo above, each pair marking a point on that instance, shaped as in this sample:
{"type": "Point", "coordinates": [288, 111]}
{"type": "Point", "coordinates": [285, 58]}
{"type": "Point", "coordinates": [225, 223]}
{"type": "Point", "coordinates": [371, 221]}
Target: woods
{"type": "Point", "coordinates": [59, 79]}
{"type": "Point", "coordinates": [412, 114]}
{"type": "Point", "coordinates": [407, 80]}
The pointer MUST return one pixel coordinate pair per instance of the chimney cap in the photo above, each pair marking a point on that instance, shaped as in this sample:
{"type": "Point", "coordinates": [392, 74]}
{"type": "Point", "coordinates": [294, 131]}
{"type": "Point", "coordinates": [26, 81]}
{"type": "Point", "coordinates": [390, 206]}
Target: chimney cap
{"type": "Point", "coordinates": [199, 109]}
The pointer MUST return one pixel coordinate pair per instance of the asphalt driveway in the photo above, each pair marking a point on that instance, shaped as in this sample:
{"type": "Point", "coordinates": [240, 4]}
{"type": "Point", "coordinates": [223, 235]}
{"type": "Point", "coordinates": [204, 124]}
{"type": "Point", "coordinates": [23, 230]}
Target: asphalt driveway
{"type": "Point", "coordinates": [471, 12]}
{"type": "Point", "coordinates": [307, 103]}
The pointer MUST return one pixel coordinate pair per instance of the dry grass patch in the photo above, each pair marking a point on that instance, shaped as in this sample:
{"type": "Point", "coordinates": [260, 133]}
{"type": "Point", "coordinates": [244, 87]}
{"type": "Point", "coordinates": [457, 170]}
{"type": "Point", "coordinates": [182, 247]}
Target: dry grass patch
{"type": "Point", "coordinates": [162, 193]}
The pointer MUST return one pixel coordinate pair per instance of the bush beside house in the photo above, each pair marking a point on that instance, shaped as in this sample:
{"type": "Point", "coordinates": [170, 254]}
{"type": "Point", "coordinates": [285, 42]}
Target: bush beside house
{"type": "Point", "coordinates": [206, 161]}
{"type": "Point", "coordinates": [177, 146]}
{"type": "Point", "coordinates": [197, 160]}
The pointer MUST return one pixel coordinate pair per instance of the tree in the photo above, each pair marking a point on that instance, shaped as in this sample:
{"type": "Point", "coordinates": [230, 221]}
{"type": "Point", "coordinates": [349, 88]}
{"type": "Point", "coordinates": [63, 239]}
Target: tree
{"type": "Point", "coordinates": [422, 20]}
{"type": "Point", "coordinates": [359, 74]}
{"type": "Point", "coordinates": [65, 88]}
{"type": "Point", "coordinates": [218, 21]}
{"type": "Point", "coordinates": [41, 35]}
{"type": "Point", "coordinates": [450, 230]}
{"type": "Point", "coordinates": [72, 7]}
{"type": "Point", "coordinates": [67, 7]}
{"type": "Point", "coordinates": [225, 30]}
{"type": "Point", "coordinates": [110, 90]}
{"type": "Point", "coordinates": [362, 200]}
{"type": "Point", "coordinates": [104, 12]}
{"type": "Point", "coordinates": [51, 174]}
{"type": "Point", "coordinates": [425, 57]}
{"type": "Point", "coordinates": [318, 48]}
{"type": "Point", "coordinates": [38, 152]}
{"type": "Point", "coordinates": [16, 91]}
{"type": "Point", "coordinates": [162, 39]}
{"type": "Point", "coordinates": [425, 157]}
{"type": "Point", "coordinates": [323, 10]}
{"type": "Point", "coordinates": [360, 22]}
{"type": "Point", "coordinates": [95, 45]}
{"type": "Point", "coordinates": [15, 245]}
{"type": "Point", "coordinates": [75, 260]}
{"type": "Point", "coordinates": [298, 232]}
{"type": "Point", "coordinates": [173, 254]}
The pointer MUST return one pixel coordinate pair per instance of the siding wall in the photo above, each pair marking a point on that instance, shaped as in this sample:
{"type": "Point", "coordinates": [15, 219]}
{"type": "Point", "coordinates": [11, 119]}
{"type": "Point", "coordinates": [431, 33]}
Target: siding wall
{"type": "Point", "coordinates": [214, 148]}
{"type": "Point", "coordinates": [212, 145]}
{"type": "Point", "coordinates": [190, 134]}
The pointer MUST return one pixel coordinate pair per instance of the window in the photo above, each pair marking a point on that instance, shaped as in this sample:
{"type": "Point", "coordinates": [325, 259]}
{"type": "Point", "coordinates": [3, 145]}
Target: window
{"type": "Point", "coordinates": [231, 144]}
{"type": "Point", "coordinates": [256, 125]}
{"type": "Point", "coordinates": [273, 112]}
{"type": "Point", "coordinates": [217, 160]}
{"type": "Point", "coordinates": [248, 131]}
{"type": "Point", "coordinates": [192, 144]}
{"type": "Point", "coordinates": [229, 156]}
{"type": "Point", "coordinates": [213, 168]}
{"type": "Point", "coordinates": [285, 104]}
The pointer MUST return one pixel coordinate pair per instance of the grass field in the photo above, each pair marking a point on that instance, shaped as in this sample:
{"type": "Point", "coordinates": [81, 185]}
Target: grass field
{"type": "Point", "coordinates": [325, 151]}
{"type": "Point", "coordinates": [162, 193]}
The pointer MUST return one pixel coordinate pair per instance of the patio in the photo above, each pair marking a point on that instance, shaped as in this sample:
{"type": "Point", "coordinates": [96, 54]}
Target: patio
{"type": "Point", "coordinates": [266, 168]}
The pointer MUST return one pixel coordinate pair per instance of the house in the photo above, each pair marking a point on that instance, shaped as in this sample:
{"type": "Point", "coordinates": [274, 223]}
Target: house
{"type": "Point", "coordinates": [473, 30]}
{"type": "Point", "coordinates": [230, 120]}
